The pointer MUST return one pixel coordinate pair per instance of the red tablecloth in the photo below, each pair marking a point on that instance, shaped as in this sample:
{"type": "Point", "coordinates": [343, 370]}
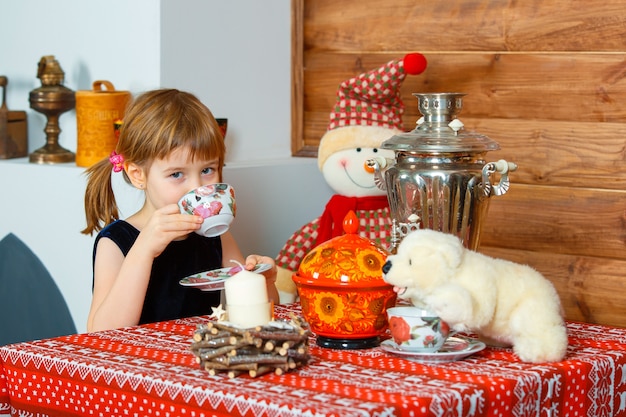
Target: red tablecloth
{"type": "Point", "coordinates": [150, 371]}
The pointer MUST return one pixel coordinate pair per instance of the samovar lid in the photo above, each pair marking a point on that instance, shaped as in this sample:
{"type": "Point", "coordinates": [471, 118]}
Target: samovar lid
{"type": "Point", "coordinates": [439, 130]}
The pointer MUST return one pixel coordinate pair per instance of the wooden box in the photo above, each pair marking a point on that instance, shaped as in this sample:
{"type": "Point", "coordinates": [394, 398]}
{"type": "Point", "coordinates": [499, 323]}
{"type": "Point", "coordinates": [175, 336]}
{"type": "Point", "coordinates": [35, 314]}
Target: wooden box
{"type": "Point", "coordinates": [13, 134]}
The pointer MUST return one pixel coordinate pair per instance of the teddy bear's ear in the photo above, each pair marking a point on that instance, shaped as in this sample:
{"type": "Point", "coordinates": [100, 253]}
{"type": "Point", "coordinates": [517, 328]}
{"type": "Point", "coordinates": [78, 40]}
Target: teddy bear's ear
{"type": "Point", "coordinates": [452, 251]}
{"type": "Point", "coordinates": [427, 243]}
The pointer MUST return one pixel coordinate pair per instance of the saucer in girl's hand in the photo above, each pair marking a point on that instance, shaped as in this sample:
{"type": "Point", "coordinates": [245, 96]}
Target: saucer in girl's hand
{"type": "Point", "coordinates": [214, 280]}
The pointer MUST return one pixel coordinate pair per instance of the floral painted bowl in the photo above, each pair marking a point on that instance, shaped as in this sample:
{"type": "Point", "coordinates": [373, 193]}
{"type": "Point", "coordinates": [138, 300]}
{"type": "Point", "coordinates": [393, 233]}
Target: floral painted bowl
{"type": "Point", "coordinates": [342, 292]}
{"type": "Point", "coordinates": [417, 330]}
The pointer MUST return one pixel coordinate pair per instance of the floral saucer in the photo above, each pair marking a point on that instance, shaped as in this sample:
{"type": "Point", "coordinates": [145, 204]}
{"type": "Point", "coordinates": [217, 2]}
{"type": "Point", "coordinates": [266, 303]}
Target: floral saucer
{"type": "Point", "coordinates": [214, 280]}
{"type": "Point", "coordinates": [454, 349]}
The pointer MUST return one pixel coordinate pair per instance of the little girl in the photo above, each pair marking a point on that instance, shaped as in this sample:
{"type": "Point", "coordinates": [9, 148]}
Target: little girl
{"type": "Point", "coordinates": [169, 144]}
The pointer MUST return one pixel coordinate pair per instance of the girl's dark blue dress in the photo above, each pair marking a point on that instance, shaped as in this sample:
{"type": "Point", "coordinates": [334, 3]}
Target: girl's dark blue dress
{"type": "Point", "coordinates": [165, 298]}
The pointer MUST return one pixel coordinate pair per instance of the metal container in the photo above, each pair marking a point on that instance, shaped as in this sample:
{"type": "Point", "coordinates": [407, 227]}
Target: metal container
{"type": "Point", "coordinates": [439, 179]}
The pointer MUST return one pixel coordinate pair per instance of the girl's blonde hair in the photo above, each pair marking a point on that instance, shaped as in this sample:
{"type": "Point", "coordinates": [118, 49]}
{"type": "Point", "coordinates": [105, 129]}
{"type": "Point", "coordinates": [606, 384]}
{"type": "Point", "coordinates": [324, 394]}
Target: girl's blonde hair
{"type": "Point", "coordinates": [155, 124]}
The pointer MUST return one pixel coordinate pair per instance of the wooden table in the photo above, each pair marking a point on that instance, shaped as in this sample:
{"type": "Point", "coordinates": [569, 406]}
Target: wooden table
{"type": "Point", "coordinates": [150, 371]}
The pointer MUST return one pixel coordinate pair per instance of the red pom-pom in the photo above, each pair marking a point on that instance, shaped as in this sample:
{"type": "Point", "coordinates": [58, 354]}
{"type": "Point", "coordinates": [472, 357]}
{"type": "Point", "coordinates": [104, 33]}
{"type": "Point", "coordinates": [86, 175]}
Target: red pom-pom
{"type": "Point", "coordinates": [414, 63]}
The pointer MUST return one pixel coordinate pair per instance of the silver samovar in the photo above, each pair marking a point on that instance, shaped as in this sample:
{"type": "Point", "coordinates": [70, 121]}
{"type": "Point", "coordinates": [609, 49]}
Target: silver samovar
{"type": "Point", "coordinates": [439, 179]}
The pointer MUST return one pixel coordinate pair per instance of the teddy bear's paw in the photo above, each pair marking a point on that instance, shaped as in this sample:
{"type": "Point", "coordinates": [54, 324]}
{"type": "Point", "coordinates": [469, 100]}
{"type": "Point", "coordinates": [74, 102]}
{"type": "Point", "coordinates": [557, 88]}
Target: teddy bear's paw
{"type": "Point", "coordinates": [419, 303]}
{"type": "Point", "coordinates": [495, 342]}
{"type": "Point", "coordinates": [460, 327]}
{"type": "Point", "coordinates": [415, 297]}
{"type": "Point", "coordinates": [542, 347]}
{"type": "Point", "coordinates": [452, 305]}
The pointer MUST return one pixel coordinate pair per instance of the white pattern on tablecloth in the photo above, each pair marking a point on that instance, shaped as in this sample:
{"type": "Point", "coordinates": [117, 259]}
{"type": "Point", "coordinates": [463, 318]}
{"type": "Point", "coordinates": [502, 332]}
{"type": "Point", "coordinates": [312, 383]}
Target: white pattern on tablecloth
{"type": "Point", "coordinates": [180, 381]}
{"type": "Point", "coordinates": [603, 393]}
{"type": "Point", "coordinates": [446, 395]}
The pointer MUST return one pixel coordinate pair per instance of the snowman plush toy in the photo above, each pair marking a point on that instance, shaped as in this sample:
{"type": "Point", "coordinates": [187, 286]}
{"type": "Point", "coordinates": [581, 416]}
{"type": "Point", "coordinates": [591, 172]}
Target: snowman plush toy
{"type": "Point", "coordinates": [367, 112]}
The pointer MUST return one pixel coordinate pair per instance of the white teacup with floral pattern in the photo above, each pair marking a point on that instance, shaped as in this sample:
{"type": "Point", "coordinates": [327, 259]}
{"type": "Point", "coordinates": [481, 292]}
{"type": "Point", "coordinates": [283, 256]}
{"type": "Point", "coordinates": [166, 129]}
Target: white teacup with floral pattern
{"type": "Point", "coordinates": [416, 329]}
{"type": "Point", "coordinates": [215, 203]}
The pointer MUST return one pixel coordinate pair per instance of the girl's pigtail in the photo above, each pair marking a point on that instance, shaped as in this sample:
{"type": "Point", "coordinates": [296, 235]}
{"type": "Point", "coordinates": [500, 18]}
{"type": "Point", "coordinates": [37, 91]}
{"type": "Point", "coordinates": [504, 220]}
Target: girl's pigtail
{"type": "Point", "coordinates": [100, 205]}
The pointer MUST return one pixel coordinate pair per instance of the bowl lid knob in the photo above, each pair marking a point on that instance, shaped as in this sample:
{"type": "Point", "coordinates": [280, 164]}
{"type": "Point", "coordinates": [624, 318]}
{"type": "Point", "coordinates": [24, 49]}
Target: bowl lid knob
{"type": "Point", "coordinates": [351, 223]}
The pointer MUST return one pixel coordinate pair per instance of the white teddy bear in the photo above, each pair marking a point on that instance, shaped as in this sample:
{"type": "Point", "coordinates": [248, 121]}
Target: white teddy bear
{"type": "Point", "coordinates": [504, 302]}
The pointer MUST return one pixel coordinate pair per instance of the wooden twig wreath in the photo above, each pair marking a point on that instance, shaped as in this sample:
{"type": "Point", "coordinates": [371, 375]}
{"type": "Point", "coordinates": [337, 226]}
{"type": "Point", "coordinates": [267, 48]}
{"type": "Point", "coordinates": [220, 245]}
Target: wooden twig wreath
{"type": "Point", "coordinates": [279, 347]}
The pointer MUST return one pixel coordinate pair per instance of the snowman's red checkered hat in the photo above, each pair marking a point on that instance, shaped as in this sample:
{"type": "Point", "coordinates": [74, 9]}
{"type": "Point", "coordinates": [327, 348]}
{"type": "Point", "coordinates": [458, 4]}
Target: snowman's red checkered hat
{"type": "Point", "coordinates": [373, 98]}
{"type": "Point", "coordinates": [369, 108]}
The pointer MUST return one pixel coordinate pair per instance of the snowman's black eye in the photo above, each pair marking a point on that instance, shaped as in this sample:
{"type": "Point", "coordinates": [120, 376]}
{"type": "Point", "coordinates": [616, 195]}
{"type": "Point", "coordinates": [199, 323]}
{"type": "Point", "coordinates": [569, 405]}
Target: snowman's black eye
{"type": "Point", "coordinates": [375, 150]}
{"type": "Point", "coordinates": [358, 149]}
{"type": "Point", "coordinates": [410, 262]}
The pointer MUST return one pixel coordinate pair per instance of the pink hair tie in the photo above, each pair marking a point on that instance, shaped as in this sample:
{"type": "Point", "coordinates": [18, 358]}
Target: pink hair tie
{"type": "Point", "coordinates": [117, 161]}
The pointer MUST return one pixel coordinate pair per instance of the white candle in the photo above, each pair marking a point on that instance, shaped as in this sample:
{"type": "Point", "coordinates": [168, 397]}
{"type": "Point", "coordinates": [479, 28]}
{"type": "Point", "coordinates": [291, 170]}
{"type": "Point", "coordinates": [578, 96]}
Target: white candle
{"type": "Point", "coordinates": [247, 302]}
{"type": "Point", "coordinates": [251, 315]}
{"type": "Point", "coordinates": [245, 288]}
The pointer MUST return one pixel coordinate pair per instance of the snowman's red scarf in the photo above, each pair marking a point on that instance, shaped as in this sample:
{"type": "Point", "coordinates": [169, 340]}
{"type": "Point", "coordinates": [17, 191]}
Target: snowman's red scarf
{"type": "Point", "coordinates": [331, 221]}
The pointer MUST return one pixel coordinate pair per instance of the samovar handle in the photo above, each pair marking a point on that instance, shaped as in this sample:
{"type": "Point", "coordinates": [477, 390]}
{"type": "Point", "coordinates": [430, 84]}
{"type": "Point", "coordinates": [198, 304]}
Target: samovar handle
{"type": "Point", "coordinates": [503, 168]}
{"type": "Point", "coordinates": [376, 165]}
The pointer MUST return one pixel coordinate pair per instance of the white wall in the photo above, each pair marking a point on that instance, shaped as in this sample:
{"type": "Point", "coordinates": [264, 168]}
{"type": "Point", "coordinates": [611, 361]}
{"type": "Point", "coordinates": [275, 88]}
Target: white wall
{"type": "Point", "coordinates": [51, 226]}
{"type": "Point", "coordinates": [235, 55]}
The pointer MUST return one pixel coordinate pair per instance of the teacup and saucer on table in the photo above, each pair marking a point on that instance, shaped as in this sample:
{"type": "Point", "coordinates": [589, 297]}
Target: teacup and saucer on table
{"type": "Point", "coordinates": [418, 334]}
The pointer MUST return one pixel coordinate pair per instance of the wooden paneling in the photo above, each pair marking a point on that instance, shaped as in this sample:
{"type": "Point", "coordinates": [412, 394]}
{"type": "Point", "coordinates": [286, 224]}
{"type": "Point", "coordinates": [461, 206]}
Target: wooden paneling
{"type": "Point", "coordinates": [464, 25]}
{"type": "Point", "coordinates": [582, 88]}
{"type": "Point", "coordinates": [545, 79]}
{"type": "Point", "coordinates": [563, 220]}
{"type": "Point", "coordinates": [581, 154]}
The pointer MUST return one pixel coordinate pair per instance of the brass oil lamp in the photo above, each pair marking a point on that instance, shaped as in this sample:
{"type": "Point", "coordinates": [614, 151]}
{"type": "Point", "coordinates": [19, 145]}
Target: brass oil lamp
{"type": "Point", "coordinates": [52, 99]}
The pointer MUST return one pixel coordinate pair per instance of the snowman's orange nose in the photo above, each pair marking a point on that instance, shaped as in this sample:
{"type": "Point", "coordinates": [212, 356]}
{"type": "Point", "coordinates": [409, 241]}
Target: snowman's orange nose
{"type": "Point", "coordinates": [368, 167]}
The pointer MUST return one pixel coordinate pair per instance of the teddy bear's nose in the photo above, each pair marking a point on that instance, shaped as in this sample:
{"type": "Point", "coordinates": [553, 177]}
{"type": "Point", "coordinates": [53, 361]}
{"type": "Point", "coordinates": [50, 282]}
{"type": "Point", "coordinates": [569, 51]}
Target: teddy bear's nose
{"type": "Point", "coordinates": [386, 267]}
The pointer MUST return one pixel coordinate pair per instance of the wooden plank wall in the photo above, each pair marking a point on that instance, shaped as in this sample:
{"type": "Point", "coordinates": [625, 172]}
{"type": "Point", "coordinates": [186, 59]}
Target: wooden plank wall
{"type": "Point", "coordinates": [546, 79]}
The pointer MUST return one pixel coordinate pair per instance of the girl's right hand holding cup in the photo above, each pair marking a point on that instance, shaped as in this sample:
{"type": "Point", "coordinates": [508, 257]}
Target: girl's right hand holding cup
{"type": "Point", "coordinates": [165, 225]}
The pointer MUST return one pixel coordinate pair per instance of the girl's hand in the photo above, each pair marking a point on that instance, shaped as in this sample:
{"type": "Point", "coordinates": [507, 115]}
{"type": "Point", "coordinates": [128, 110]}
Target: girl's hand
{"type": "Point", "coordinates": [165, 225]}
{"type": "Point", "coordinates": [254, 260]}
{"type": "Point", "coordinates": [270, 274]}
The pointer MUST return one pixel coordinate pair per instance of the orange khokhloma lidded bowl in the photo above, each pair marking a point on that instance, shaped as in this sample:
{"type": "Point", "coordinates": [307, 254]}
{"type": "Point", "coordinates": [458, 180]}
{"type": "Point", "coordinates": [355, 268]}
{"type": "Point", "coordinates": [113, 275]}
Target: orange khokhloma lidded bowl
{"type": "Point", "coordinates": [342, 292]}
